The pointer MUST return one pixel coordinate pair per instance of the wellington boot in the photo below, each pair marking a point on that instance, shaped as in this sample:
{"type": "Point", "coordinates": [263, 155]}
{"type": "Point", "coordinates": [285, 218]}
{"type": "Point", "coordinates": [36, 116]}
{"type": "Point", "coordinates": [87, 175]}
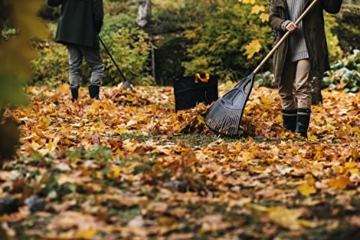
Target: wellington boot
{"type": "Point", "coordinates": [302, 121]}
{"type": "Point", "coordinates": [289, 119]}
{"type": "Point", "coordinates": [94, 91]}
{"type": "Point", "coordinates": [74, 94]}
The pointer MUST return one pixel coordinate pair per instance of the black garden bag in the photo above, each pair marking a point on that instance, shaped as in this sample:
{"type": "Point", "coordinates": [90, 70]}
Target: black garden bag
{"type": "Point", "coordinates": [191, 90]}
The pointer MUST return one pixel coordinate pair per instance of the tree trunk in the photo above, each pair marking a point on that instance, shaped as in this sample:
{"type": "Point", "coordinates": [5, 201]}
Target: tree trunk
{"type": "Point", "coordinates": [144, 13]}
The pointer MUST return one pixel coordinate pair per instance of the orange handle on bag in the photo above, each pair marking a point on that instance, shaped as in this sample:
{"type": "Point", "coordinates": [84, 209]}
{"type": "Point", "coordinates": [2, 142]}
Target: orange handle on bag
{"type": "Point", "coordinates": [205, 79]}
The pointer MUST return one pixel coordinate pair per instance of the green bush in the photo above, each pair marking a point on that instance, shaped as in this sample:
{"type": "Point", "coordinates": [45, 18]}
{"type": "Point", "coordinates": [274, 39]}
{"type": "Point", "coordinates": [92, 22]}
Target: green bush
{"type": "Point", "coordinates": [344, 74]}
{"type": "Point", "coordinates": [335, 50]}
{"type": "Point", "coordinates": [51, 67]}
{"type": "Point", "coordinates": [128, 44]}
{"type": "Point", "coordinates": [169, 22]}
{"type": "Point", "coordinates": [265, 79]}
{"type": "Point", "coordinates": [130, 47]}
{"type": "Point", "coordinates": [220, 43]}
{"type": "Point", "coordinates": [347, 28]}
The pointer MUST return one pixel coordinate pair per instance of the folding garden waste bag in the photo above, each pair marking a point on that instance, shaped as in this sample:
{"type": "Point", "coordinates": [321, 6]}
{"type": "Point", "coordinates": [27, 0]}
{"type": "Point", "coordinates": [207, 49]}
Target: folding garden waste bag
{"type": "Point", "coordinates": [191, 90]}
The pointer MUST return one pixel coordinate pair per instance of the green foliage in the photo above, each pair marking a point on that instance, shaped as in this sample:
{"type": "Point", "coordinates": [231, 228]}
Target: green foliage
{"type": "Point", "coordinates": [15, 52]}
{"type": "Point", "coordinates": [347, 28]}
{"type": "Point", "coordinates": [12, 84]}
{"type": "Point", "coordinates": [332, 39]}
{"type": "Point", "coordinates": [7, 32]}
{"type": "Point", "coordinates": [265, 79]}
{"type": "Point", "coordinates": [169, 22]}
{"type": "Point", "coordinates": [216, 36]}
{"type": "Point", "coordinates": [189, 36]}
{"type": "Point", "coordinates": [128, 45]}
{"type": "Point", "coordinates": [220, 43]}
{"type": "Point", "coordinates": [51, 67]}
{"type": "Point", "coordinates": [344, 74]}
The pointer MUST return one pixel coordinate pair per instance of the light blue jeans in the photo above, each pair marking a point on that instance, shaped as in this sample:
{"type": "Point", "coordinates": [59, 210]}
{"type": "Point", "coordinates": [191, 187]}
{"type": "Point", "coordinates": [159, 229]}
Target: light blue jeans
{"type": "Point", "coordinates": [93, 59]}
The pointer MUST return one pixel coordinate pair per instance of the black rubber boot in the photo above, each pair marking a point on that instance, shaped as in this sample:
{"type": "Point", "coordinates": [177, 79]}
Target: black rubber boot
{"type": "Point", "coordinates": [289, 119]}
{"type": "Point", "coordinates": [94, 91]}
{"type": "Point", "coordinates": [74, 94]}
{"type": "Point", "coordinates": [302, 122]}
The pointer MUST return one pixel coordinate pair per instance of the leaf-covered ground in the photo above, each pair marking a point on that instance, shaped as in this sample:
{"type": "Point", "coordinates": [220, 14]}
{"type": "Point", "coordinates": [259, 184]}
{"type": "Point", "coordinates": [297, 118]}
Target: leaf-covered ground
{"type": "Point", "coordinates": [129, 167]}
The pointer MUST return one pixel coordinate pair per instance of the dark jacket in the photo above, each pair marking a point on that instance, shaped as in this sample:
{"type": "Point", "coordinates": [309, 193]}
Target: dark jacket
{"type": "Point", "coordinates": [314, 33]}
{"type": "Point", "coordinates": [80, 21]}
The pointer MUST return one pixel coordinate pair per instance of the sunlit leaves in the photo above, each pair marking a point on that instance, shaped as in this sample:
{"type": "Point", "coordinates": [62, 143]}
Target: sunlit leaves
{"type": "Point", "coordinates": [129, 166]}
{"type": "Point", "coordinates": [259, 8]}
{"type": "Point", "coordinates": [256, 9]}
{"type": "Point", "coordinates": [252, 48]}
{"type": "Point", "coordinates": [247, 1]}
{"type": "Point", "coordinates": [308, 187]}
{"type": "Point", "coordinates": [264, 17]}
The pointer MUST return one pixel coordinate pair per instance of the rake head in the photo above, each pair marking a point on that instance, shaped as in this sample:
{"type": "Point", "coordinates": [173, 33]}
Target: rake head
{"type": "Point", "coordinates": [225, 114]}
{"type": "Point", "coordinates": [127, 85]}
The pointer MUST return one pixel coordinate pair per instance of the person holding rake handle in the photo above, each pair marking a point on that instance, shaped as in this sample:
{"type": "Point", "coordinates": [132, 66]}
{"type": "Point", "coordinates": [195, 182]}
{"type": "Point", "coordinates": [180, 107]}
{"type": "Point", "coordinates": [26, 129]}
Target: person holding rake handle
{"type": "Point", "coordinates": [301, 57]}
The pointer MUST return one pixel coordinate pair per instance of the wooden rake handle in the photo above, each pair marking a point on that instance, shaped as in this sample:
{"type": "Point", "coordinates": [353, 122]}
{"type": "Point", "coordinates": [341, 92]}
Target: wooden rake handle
{"type": "Point", "coordinates": [285, 36]}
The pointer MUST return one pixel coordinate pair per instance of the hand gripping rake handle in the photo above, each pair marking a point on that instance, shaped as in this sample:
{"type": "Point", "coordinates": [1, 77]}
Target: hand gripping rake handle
{"type": "Point", "coordinates": [285, 36]}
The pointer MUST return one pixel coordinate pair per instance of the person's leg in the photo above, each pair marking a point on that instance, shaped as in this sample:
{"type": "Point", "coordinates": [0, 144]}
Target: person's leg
{"type": "Point", "coordinates": [303, 95]}
{"type": "Point", "coordinates": [286, 92]}
{"type": "Point", "coordinates": [75, 60]}
{"type": "Point", "coordinates": [95, 62]}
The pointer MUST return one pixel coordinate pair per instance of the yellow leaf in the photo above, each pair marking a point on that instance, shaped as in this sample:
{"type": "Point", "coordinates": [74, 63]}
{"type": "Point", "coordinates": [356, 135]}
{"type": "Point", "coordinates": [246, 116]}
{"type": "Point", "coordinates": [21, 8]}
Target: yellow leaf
{"type": "Point", "coordinates": [201, 119]}
{"type": "Point", "coordinates": [339, 182]}
{"type": "Point", "coordinates": [64, 88]}
{"type": "Point", "coordinates": [252, 48]}
{"type": "Point", "coordinates": [257, 9]}
{"type": "Point", "coordinates": [130, 148]}
{"type": "Point", "coordinates": [114, 172]}
{"type": "Point", "coordinates": [287, 218]}
{"type": "Point", "coordinates": [44, 122]}
{"type": "Point", "coordinates": [352, 167]}
{"type": "Point", "coordinates": [306, 190]}
{"type": "Point", "coordinates": [278, 119]}
{"type": "Point", "coordinates": [355, 154]}
{"type": "Point", "coordinates": [264, 17]}
{"type": "Point", "coordinates": [121, 130]}
{"type": "Point", "coordinates": [86, 234]}
{"type": "Point", "coordinates": [247, 1]}
{"type": "Point", "coordinates": [267, 101]}
{"type": "Point", "coordinates": [310, 180]}
{"type": "Point", "coordinates": [312, 137]}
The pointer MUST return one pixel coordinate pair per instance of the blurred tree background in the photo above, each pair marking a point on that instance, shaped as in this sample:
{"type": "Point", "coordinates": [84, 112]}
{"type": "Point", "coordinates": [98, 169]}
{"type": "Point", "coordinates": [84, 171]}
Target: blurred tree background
{"type": "Point", "coordinates": [215, 36]}
{"type": "Point", "coordinates": [18, 24]}
{"type": "Point", "coordinates": [224, 37]}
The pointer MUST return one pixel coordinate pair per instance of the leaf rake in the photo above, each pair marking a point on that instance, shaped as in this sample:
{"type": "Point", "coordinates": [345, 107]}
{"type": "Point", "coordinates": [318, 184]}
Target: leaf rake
{"type": "Point", "coordinates": [127, 85]}
{"type": "Point", "coordinates": [224, 116]}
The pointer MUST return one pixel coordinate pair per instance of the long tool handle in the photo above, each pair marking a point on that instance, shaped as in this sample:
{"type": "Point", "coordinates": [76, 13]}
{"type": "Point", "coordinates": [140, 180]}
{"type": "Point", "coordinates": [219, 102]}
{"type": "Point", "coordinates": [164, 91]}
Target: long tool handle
{"type": "Point", "coordinates": [127, 85]}
{"type": "Point", "coordinates": [285, 36]}
{"type": "Point", "coordinates": [112, 59]}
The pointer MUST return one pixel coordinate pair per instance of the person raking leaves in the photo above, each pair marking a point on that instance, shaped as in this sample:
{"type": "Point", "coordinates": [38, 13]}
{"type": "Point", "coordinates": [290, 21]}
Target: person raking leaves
{"type": "Point", "coordinates": [301, 57]}
{"type": "Point", "coordinates": [78, 27]}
